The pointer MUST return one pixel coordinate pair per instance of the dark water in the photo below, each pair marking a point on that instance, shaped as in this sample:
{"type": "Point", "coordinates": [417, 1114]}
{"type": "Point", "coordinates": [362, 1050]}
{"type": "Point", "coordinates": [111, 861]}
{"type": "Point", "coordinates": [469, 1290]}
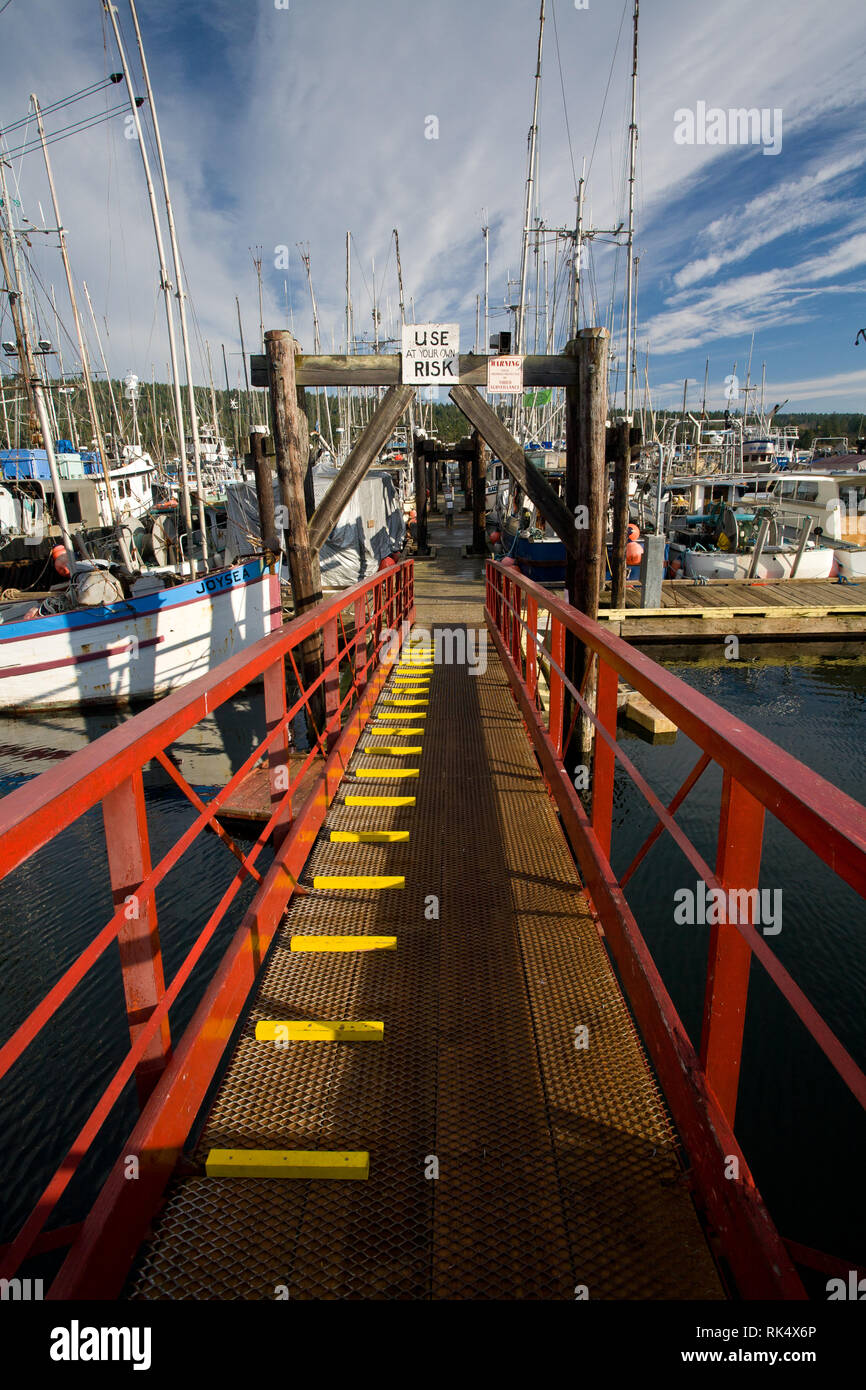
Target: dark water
{"type": "Point", "coordinates": [55, 903]}
{"type": "Point", "coordinates": [802, 1133]}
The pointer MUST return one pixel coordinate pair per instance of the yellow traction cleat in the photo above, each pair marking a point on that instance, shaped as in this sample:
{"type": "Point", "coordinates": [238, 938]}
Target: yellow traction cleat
{"type": "Point", "coordinates": [344, 943]}
{"type": "Point", "coordinates": [287, 1163]}
{"type": "Point", "coordinates": [359, 881]}
{"type": "Point", "coordinates": [306, 1030]}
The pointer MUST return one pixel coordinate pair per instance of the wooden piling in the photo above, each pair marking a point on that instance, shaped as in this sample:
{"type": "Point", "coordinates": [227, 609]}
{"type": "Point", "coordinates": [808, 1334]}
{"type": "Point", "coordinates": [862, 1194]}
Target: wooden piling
{"type": "Point", "coordinates": [479, 494]}
{"type": "Point", "coordinates": [619, 454]}
{"type": "Point", "coordinates": [586, 501]}
{"type": "Point", "coordinates": [260, 462]}
{"type": "Point", "coordinates": [420, 463]}
{"type": "Point", "coordinates": [292, 445]}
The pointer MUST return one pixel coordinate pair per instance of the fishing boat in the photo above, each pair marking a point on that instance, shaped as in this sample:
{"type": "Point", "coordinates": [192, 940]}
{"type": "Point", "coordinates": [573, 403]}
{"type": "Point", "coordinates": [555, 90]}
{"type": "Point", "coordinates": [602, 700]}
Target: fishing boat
{"type": "Point", "coordinates": [740, 542]}
{"type": "Point", "coordinates": [138, 648]}
{"type": "Point", "coordinates": [834, 503]}
{"type": "Point", "coordinates": [531, 542]}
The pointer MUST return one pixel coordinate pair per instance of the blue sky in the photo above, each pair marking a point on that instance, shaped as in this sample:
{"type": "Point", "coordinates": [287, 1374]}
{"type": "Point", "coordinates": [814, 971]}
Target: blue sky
{"type": "Point", "coordinates": [293, 125]}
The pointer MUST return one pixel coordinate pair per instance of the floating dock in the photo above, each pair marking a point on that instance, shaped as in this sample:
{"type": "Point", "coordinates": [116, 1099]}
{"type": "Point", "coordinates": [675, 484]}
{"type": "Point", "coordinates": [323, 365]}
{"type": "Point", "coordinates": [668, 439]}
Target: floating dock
{"type": "Point", "coordinates": [766, 616]}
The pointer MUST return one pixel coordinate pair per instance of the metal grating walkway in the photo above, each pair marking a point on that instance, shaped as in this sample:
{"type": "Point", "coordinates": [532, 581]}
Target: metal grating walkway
{"type": "Point", "coordinates": [556, 1166]}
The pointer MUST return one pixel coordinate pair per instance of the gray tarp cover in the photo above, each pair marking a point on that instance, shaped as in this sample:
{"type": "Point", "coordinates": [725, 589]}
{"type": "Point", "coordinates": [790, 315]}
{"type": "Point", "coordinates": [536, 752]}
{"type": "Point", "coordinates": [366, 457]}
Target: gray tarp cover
{"type": "Point", "coordinates": [353, 549]}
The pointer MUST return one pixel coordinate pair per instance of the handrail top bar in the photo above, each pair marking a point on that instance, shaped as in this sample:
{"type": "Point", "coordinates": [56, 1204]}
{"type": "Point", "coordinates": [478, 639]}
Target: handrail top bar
{"type": "Point", "coordinates": [801, 798]}
{"type": "Point", "coordinates": [34, 813]}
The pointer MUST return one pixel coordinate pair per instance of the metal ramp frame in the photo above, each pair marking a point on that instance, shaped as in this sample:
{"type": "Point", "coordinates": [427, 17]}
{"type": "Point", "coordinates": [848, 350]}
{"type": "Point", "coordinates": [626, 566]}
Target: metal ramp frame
{"type": "Point", "coordinates": [558, 1172]}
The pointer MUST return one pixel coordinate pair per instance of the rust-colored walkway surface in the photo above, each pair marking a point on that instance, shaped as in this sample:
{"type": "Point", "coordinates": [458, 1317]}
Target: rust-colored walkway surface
{"type": "Point", "coordinates": [518, 1145]}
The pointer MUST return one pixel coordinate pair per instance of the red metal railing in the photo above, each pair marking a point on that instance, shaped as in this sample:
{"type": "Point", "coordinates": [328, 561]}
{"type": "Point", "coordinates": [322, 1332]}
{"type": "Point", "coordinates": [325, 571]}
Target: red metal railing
{"type": "Point", "coordinates": [757, 776]}
{"type": "Point", "coordinates": [172, 1083]}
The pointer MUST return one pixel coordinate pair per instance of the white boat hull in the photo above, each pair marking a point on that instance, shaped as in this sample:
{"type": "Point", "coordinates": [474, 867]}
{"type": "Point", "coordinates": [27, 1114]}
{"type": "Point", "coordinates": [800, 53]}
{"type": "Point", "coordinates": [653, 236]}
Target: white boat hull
{"type": "Point", "coordinates": [773, 564]}
{"type": "Point", "coordinates": [851, 563]}
{"type": "Point", "coordinates": [136, 650]}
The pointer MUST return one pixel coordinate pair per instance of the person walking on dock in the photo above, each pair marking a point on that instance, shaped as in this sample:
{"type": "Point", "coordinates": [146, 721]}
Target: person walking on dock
{"type": "Point", "coordinates": [449, 506]}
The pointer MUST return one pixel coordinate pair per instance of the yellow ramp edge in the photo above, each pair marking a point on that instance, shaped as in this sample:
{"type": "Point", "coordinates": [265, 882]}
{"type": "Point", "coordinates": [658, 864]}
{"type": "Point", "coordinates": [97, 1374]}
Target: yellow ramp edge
{"type": "Point", "coordinates": [344, 943]}
{"type": "Point", "coordinates": [389, 704]}
{"type": "Point", "coordinates": [380, 801]}
{"type": "Point", "coordinates": [397, 733]}
{"type": "Point", "coordinates": [368, 837]}
{"type": "Point", "coordinates": [306, 1030]}
{"type": "Point", "coordinates": [388, 751]}
{"type": "Point", "coordinates": [359, 881]}
{"type": "Point", "coordinates": [379, 772]}
{"type": "Point", "coordinates": [398, 714]}
{"type": "Point", "coordinates": [287, 1163]}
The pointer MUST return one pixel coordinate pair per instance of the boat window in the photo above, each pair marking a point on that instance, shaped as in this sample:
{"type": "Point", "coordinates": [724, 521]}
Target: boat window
{"type": "Point", "coordinates": [788, 489]}
{"type": "Point", "coordinates": [807, 492]}
{"type": "Point", "coordinates": [73, 506]}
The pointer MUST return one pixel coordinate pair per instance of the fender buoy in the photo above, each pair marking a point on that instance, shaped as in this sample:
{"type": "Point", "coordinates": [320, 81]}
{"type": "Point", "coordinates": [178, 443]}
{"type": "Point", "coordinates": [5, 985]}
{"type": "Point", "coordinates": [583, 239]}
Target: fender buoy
{"type": "Point", "coordinates": [386, 562]}
{"type": "Point", "coordinates": [633, 553]}
{"type": "Point", "coordinates": [508, 563]}
{"type": "Point", "coordinates": [60, 560]}
{"type": "Point", "coordinates": [633, 532]}
{"type": "Point", "coordinates": [834, 568]}
{"type": "Point", "coordinates": [494, 537]}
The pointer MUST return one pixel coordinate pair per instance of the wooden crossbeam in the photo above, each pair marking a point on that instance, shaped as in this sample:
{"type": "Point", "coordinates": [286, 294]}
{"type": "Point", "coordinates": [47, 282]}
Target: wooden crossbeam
{"type": "Point", "coordinates": [383, 369]}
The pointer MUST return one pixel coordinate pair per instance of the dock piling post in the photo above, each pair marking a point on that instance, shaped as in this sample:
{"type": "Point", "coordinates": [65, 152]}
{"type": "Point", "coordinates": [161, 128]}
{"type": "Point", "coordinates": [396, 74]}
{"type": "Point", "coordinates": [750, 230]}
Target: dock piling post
{"type": "Point", "coordinates": [292, 445]}
{"type": "Point", "coordinates": [586, 501]}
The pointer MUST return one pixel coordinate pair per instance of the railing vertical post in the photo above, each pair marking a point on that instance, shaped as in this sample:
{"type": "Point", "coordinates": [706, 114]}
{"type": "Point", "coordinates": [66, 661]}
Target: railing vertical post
{"type": "Point", "coordinates": [557, 689]}
{"type": "Point", "coordinates": [360, 640]}
{"type": "Point", "coordinates": [125, 818]}
{"type": "Point", "coordinates": [516, 651]}
{"type": "Point", "coordinates": [332, 684]}
{"type": "Point", "coordinates": [531, 645]}
{"type": "Point", "coordinates": [375, 619]}
{"type": "Point", "coordinates": [278, 754]}
{"type": "Point", "coordinates": [605, 759]}
{"type": "Point", "coordinates": [738, 863]}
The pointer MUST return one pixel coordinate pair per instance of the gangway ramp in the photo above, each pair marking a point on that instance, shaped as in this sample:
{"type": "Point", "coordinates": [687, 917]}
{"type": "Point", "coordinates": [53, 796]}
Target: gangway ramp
{"type": "Point", "coordinates": [506, 1158]}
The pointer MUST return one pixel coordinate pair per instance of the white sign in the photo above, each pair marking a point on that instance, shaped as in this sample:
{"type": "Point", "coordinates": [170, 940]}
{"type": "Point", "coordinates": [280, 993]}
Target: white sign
{"type": "Point", "coordinates": [431, 354]}
{"type": "Point", "coordinates": [505, 374]}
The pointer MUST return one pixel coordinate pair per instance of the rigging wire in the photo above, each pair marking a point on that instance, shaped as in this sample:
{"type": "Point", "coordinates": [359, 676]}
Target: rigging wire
{"type": "Point", "coordinates": [607, 88]}
{"type": "Point", "coordinates": [63, 101]}
{"type": "Point", "coordinates": [77, 128]}
{"type": "Point", "coordinates": [562, 89]}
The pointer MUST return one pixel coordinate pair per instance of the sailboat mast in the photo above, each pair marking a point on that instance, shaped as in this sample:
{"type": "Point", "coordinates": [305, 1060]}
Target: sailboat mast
{"type": "Point", "coordinates": [213, 404]}
{"type": "Point", "coordinates": [82, 351]}
{"type": "Point", "coordinates": [178, 280]}
{"type": "Point", "coordinates": [530, 184]}
{"type": "Point", "coordinates": [114, 413]}
{"type": "Point", "coordinates": [578, 260]}
{"type": "Point", "coordinates": [632, 159]}
{"type": "Point", "coordinates": [349, 345]}
{"type": "Point", "coordinates": [246, 371]}
{"type": "Point", "coordinates": [27, 363]}
{"type": "Point", "coordinates": [18, 310]}
{"type": "Point", "coordinates": [234, 413]}
{"type": "Point", "coordinates": [165, 284]}
{"type": "Point", "coordinates": [485, 232]}
{"type": "Point", "coordinates": [411, 441]}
